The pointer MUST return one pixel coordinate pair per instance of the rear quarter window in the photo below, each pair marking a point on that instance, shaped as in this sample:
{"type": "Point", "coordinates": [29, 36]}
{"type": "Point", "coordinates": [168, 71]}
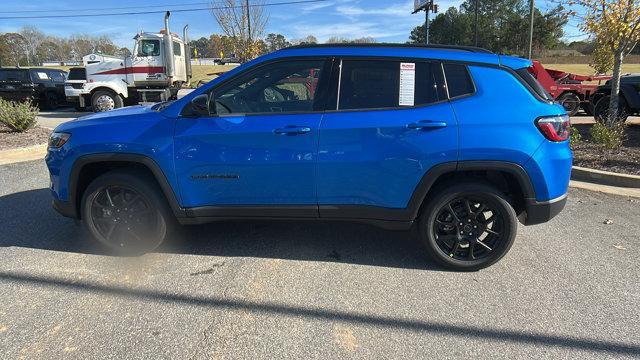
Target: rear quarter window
{"type": "Point", "coordinates": [459, 81]}
{"type": "Point", "coordinates": [14, 75]}
{"type": "Point", "coordinates": [534, 85]}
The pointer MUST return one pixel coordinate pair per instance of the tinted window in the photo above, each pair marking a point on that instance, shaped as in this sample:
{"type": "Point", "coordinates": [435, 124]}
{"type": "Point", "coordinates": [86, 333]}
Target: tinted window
{"type": "Point", "coordinates": [149, 48]}
{"type": "Point", "coordinates": [377, 84]}
{"type": "Point", "coordinates": [176, 49]}
{"type": "Point", "coordinates": [14, 75]}
{"type": "Point", "coordinates": [40, 75]}
{"type": "Point", "coordinates": [56, 76]}
{"type": "Point", "coordinates": [533, 83]}
{"type": "Point", "coordinates": [77, 74]}
{"type": "Point", "coordinates": [288, 86]}
{"type": "Point", "coordinates": [458, 80]}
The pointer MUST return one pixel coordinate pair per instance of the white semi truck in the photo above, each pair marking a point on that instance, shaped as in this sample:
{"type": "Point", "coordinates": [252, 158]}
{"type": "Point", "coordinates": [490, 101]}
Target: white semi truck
{"type": "Point", "coordinates": [159, 66]}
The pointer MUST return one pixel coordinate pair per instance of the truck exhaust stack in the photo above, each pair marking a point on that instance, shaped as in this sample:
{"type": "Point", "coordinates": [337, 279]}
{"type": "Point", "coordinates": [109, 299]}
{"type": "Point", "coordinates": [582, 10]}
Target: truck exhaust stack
{"type": "Point", "coordinates": [168, 48]}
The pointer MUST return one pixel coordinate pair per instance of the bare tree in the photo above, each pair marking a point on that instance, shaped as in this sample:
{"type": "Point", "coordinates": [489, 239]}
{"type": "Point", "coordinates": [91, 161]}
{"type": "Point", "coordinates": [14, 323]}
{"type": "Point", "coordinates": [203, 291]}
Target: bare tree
{"type": "Point", "coordinates": [244, 23]}
{"type": "Point", "coordinates": [33, 38]}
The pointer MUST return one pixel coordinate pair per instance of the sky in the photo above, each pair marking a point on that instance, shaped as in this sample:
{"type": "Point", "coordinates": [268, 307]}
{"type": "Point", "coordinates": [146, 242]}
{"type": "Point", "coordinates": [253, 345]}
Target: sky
{"type": "Point", "coordinates": [384, 20]}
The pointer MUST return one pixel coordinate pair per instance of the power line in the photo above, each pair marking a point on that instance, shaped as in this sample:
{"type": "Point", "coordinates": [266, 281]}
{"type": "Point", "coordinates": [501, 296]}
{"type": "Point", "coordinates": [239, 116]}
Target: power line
{"type": "Point", "coordinates": [99, 9]}
{"type": "Point", "coordinates": [159, 11]}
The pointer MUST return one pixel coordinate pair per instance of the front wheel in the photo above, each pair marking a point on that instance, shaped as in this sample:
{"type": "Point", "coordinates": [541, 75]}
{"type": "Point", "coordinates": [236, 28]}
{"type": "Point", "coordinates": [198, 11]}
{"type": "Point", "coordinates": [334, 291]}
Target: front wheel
{"type": "Point", "coordinates": [468, 226]}
{"type": "Point", "coordinates": [125, 212]}
{"type": "Point", "coordinates": [104, 100]}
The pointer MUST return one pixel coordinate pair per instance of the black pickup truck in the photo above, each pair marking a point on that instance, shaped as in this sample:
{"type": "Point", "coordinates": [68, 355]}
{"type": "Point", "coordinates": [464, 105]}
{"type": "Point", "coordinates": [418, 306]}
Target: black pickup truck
{"type": "Point", "coordinates": [43, 87]}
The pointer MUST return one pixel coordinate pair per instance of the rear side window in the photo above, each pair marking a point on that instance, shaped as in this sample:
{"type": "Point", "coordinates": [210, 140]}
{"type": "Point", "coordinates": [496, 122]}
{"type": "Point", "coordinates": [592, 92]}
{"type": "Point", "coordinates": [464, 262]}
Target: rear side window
{"type": "Point", "coordinates": [533, 83]}
{"type": "Point", "coordinates": [14, 75]}
{"type": "Point", "coordinates": [380, 84]}
{"type": "Point", "coordinates": [459, 81]}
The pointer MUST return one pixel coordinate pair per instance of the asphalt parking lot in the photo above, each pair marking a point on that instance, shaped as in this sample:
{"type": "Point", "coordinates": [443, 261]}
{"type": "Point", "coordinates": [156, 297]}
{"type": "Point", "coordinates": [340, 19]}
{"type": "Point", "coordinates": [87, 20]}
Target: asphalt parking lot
{"type": "Point", "coordinates": [248, 290]}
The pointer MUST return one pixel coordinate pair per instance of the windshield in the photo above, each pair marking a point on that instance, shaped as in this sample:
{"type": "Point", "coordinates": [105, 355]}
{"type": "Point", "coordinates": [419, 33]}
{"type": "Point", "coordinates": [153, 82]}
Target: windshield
{"type": "Point", "coordinates": [14, 75]}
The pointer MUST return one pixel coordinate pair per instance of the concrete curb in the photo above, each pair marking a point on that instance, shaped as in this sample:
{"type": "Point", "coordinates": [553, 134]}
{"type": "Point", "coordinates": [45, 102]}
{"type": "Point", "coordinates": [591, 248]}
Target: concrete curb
{"type": "Point", "coordinates": [29, 153]}
{"type": "Point", "coordinates": [605, 177]}
{"type": "Point", "coordinates": [612, 190]}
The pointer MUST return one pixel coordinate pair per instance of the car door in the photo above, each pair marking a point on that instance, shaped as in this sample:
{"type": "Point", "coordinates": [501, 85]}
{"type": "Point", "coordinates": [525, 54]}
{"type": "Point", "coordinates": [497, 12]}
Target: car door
{"type": "Point", "coordinates": [391, 122]}
{"type": "Point", "coordinates": [259, 145]}
{"type": "Point", "coordinates": [57, 80]}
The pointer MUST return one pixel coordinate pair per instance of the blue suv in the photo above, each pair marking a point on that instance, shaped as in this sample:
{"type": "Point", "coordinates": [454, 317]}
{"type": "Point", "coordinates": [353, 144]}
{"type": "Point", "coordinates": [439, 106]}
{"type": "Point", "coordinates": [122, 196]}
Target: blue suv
{"type": "Point", "coordinates": [459, 141]}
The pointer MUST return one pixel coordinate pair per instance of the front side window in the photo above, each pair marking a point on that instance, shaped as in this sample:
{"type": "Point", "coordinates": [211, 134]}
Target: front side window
{"type": "Point", "coordinates": [149, 48]}
{"type": "Point", "coordinates": [40, 75]}
{"type": "Point", "coordinates": [380, 84]}
{"type": "Point", "coordinates": [57, 76]}
{"type": "Point", "coordinates": [287, 86]}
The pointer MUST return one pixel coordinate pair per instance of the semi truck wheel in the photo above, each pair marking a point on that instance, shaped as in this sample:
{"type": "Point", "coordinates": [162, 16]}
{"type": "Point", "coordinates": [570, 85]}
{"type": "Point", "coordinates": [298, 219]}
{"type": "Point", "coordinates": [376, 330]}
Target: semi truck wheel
{"type": "Point", "coordinates": [105, 100]}
{"type": "Point", "coordinates": [570, 102]}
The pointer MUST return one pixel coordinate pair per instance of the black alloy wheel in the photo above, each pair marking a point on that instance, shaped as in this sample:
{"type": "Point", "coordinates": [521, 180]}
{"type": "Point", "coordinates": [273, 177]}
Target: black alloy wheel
{"type": "Point", "coordinates": [468, 226]}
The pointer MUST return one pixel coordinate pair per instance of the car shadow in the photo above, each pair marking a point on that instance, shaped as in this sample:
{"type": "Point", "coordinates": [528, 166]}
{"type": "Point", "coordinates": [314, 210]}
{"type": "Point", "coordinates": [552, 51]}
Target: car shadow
{"type": "Point", "coordinates": [29, 221]}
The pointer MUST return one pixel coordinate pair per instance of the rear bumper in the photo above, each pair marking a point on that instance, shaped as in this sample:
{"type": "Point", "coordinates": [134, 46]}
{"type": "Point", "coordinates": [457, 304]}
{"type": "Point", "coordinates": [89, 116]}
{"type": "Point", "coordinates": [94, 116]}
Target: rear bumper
{"type": "Point", "coordinates": [538, 212]}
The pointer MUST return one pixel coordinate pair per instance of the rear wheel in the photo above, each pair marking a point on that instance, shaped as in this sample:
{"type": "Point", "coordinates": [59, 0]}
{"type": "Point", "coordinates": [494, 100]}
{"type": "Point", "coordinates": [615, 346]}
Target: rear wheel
{"type": "Point", "coordinates": [468, 226]}
{"type": "Point", "coordinates": [601, 109]}
{"type": "Point", "coordinates": [105, 100]}
{"type": "Point", "coordinates": [570, 102]}
{"type": "Point", "coordinates": [125, 212]}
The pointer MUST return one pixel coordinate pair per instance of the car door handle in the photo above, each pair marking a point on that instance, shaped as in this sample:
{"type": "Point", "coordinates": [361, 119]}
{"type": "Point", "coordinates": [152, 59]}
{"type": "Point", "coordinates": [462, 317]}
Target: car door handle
{"type": "Point", "coordinates": [427, 124]}
{"type": "Point", "coordinates": [292, 130]}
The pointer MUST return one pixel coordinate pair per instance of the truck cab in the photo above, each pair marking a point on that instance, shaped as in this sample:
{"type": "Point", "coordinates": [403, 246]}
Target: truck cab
{"type": "Point", "coordinates": [158, 67]}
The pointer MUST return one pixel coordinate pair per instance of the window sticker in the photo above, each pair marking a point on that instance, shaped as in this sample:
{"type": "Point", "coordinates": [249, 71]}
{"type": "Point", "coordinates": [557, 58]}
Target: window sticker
{"type": "Point", "coordinates": [42, 76]}
{"type": "Point", "coordinates": [407, 84]}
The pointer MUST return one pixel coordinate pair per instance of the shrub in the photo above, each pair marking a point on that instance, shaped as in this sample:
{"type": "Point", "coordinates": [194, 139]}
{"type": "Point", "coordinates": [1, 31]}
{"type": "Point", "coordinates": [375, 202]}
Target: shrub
{"type": "Point", "coordinates": [574, 137]}
{"type": "Point", "coordinates": [610, 136]}
{"type": "Point", "coordinates": [18, 116]}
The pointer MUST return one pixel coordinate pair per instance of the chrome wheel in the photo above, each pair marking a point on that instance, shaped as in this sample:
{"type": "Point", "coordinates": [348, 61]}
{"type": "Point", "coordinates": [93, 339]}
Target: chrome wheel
{"type": "Point", "coordinates": [105, 103]}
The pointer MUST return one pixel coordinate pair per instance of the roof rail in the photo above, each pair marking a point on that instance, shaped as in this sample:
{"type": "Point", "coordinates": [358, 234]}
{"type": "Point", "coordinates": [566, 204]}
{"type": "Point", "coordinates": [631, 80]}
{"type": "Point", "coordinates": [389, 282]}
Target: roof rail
{"type": "Point", "coordinates": [417, 46]}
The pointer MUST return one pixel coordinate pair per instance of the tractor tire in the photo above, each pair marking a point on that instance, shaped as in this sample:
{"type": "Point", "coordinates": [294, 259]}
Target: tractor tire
{"type": "Point", "coordinates": [601, 109]}
{"type": "Point", "coordinates": [588, 108]}
{"type": "Point", "coordinates": [570, 102]}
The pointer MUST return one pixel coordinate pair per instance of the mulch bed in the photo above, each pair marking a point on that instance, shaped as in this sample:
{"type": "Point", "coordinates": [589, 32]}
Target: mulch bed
{"type": "Point", "coordinates": [12, 140]}
{"type": "Point", "coordinates": [625, 160]}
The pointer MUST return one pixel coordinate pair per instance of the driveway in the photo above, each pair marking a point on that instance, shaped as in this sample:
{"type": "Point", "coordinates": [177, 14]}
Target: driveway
{"type": "Point", "coordinates": [269, 290]}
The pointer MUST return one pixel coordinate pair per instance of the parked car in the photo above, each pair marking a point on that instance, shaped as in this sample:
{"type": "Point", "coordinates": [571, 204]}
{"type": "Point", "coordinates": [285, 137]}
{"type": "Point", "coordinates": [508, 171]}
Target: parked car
{"type": "Point", "coordinates": [44, 87]}
{"type": "Point", "coordinates": [458, 141]}
{"type": "Point", "coordinates": [628, 101]}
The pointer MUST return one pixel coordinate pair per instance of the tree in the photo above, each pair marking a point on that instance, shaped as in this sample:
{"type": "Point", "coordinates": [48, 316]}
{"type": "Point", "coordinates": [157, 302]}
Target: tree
{"type": "Point", "coordinates": [616, 26]}
{"type": "Point", "coordinates": [503, 26]}
{"type": "Point", "coordinates": [33, 38]}
{"type": "Point", "coordinates": [236, 17]}
{"type": "Point", "coordinates": [310, 39]}
{"type": "Point", "coordinates": [14, 48]}
{"type": "Point", "coordinates": [276, 42]}
{"type": "Point", "coordinates": [341, 40]}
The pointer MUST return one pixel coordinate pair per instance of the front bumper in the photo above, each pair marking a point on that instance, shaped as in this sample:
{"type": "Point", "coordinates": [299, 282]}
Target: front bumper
{"type": "Point", "coordinates": [538, 212]}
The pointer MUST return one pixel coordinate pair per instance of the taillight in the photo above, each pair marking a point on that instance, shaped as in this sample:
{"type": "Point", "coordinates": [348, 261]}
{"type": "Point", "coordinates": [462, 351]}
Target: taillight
{"type": "Point", "coordinates": [554, 128]}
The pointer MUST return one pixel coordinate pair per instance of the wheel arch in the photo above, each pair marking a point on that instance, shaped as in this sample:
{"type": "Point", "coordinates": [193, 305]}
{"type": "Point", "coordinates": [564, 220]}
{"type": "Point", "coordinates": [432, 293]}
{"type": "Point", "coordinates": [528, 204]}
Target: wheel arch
{"type": "Point", "coordinates": [509, 177]}
{"type": "Point", "coordinates": [88, 167]}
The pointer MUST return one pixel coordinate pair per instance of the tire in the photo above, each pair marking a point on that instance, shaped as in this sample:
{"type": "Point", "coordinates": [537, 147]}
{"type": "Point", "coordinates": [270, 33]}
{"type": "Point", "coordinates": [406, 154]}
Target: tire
{"type": "Point", "coordinates": [601, 109]}
{"type": "Point", "coordinates": [588, 108]}
{"type": "Point", "coordinates": [125, 212]}
{"type": "Point", "coordinates": [105, 100]}
{"type": "Point", "coordinates": [486, 241]}
{"type": "Point", "coordinates": [51, 101]}
{"type": "Point", "coordinates": [570, 102]}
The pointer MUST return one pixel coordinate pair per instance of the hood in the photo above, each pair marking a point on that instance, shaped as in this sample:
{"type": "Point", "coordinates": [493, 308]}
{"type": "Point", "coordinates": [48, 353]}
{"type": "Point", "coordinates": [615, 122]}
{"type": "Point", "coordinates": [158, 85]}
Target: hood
{"type": "Point", "coordinates": [122, 115]}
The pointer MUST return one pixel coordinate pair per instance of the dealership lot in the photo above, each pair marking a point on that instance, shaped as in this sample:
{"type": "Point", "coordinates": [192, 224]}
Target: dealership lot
{"type": "Point", "coordinates": [568, 289]}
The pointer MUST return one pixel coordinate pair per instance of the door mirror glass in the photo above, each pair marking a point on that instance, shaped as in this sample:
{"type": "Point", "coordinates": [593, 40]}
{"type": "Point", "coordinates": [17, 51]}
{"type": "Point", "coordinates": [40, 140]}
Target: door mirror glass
{"type": "Point", "coordinates": [200, 105]}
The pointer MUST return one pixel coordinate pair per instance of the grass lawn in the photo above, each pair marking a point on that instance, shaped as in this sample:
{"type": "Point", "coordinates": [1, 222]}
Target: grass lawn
{"type": "Point", "coordinates": [584, 69]}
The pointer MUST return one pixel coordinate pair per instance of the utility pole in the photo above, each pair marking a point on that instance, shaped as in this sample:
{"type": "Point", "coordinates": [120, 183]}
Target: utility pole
{"type": "Point", "coordinates": [530, 27]}
{"type": "Point", "coordinates": [475, 35]}
{"type": "Point", "coordinates": [426, 24]}
{"type": "Point", "coordinates": [248, 22]}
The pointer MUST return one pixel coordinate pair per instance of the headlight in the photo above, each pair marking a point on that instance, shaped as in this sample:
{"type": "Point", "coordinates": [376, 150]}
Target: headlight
{"type": "Point", "coordinates": [57, 139]}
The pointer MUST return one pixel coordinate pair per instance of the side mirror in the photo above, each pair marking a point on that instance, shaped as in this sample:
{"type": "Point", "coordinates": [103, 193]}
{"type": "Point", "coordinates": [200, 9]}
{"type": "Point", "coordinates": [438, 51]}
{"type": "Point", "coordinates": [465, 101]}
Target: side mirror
{"type": "Point", "coordinates": [200, 105]}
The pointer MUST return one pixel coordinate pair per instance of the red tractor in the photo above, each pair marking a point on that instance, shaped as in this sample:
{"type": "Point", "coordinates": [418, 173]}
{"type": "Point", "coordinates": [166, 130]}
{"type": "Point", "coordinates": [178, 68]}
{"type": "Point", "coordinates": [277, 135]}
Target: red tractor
{"type": "Point", "coordinates": [568, 89]}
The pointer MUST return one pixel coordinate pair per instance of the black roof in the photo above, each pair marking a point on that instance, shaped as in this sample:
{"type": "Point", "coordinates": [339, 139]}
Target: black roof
{"type": "Point", "coordinates": [391, 45]}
